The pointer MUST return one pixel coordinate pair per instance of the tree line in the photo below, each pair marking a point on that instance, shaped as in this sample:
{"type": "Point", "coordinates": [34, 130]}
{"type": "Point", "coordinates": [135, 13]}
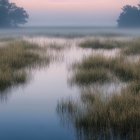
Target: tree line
{"type": "Point", "coordinates": [11, 15]}
{"type": "Point", "coordinates": [130, 16]}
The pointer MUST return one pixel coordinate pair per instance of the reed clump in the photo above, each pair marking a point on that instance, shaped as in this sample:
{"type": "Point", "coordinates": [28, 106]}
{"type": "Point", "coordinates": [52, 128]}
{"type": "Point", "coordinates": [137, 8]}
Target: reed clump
{"type": "Point", "coordinates": [119, 113]}
{"type": "Point", "coordinates": [100, 116]}
{"type": "Point", "coordinates": [101, 44]}
{"type": "Point", "coordinates": [100, 68]}
{"type": "Point", "coordinates": [132, 48]}
{"type": "Point", "coordinates": [15, 57]}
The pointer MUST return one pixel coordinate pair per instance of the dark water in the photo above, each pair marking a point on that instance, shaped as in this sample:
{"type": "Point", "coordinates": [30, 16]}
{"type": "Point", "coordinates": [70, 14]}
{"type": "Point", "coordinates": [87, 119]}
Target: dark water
{"type": "Point", "coordinates": [28, 112]}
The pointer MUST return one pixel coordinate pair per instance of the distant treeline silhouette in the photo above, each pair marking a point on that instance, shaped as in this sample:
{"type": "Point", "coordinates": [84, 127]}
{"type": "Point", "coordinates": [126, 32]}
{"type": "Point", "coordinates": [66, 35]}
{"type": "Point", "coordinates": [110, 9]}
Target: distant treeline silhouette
{"type": "Point", "coordinates": [130, 16]}
{"type": "Point", "coordinates": [11, 15]}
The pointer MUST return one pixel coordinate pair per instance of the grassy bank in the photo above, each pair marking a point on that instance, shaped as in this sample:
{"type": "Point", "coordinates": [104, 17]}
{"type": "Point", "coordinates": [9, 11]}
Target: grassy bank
{"type": "Point", "coordinates": [112, 117]}
{"type": "Point", "coordinates": [101, 44]}
{"type": "Point", "coordinates": [15, 57]}
{"type": "Point", "coordinates": [131, 47]}
{"type": "Point", "coordinates": [97, 116]}
{"type": "Point", "coordinates": [101, 69]}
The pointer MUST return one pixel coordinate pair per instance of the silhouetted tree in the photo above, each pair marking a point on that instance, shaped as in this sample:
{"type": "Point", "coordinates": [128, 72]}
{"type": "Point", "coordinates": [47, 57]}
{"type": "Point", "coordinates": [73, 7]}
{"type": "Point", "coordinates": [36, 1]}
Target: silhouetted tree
{"type": "Point", "coordinates": [11, 15]}
{"type": "Point", "coordinates": [130, 16]}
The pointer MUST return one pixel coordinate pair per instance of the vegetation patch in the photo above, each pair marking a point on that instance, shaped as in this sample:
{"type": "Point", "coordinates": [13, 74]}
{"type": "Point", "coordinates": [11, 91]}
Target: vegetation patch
{"type": "Point", "coordinates": [127, 47]}
{"type": "Point", "coordinates": [118, 114]}
{"type": "Point", "coordinates": [101, 69]}
{"type": "Point", "coordinates": [6, 39]}
{"type": "Point", "coordinates": [85, 77]}
{"type": "Point", "coordinates": [15, 57]}
{"type": "Point", "coordinates": [100, 116]}
{"type": "Point", "coordinates": [57, 47]}
{"type": "Point", "coordinates": [133, 48]}
{"type": "Point", "coordinates": [98, 44]}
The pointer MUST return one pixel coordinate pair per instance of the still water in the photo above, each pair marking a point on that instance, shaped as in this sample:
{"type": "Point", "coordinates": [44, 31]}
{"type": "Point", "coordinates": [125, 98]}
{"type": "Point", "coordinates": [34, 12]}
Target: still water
{"type": "Point", "coordinates": [28, 112]}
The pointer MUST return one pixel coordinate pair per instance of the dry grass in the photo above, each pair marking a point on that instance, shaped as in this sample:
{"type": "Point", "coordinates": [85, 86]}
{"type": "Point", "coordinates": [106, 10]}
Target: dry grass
{"type": "Point", "coordinates": [101, 69]}
{"type": "Point", "coordinates": [14, 58]}
{"type": "Point", "coordinates": [96, 116]}
{"type": "Point", "coordinates": [98, 44]}
{"type": "Point", "coordinates": [132, 48]}
{"type": "Point", "coordinates": [85, 77]}
{"type": "Point", "coordinates": [119, 113]}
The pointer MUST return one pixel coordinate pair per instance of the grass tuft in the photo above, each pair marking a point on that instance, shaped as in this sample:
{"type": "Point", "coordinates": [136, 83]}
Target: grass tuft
{"type": "Point", "coordinates": [14, 59]}
{"type": "Point", "coordinates": [98, 44]}
{"type": "Point", "coordinates": [101, 69]}
{"type": "Point", "coordinates": [119, 113]}
{"type": "Point", "coordinates": [132, 48]}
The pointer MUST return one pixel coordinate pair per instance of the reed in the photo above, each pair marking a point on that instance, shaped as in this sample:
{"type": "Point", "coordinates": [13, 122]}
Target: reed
{"type": "Point", "coordinates": [15, 57]}
{"type": "Point", "coordinates": [98, 44]}
{"type": "Point", "coordinates": [101, 69]}
{"type": "Point", "coordinates": [132, 48]}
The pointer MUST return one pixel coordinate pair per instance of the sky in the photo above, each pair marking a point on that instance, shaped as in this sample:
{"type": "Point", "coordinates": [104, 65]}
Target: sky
{"type": "Point", "coordinates": [73, 12]}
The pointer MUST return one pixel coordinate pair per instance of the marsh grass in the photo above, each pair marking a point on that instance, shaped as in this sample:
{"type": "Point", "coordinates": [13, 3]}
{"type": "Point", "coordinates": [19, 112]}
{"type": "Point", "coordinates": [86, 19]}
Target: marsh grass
{"type": "Point", "coordinates": [132, 48]}
{"type": "Point", "coordinates": [56, 46]}
{"type": "Point", "coordinates": [101, 69]}
{"type": "Point", "coordinates": [85, 77]}
{"type": "Point", "coordinates": [97, 115]}
{"type": "Point", "coordinates": [127, 47]}
{"type": "Point", "coordinates": [7, 39]}
{"type": "Point", "coordinates": [98, 44]}
{"type": "Point", "coordinates": [119, 113]}
{"type": "Point", "coordinates": [15, 57]}
{"type": "Point", "coordinates": [134, 87]}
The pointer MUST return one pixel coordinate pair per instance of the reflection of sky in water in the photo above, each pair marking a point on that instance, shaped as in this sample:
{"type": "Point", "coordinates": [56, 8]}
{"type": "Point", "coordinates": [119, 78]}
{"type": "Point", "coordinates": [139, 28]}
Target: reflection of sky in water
{"type": "Point", "coordinates": [30, 111]}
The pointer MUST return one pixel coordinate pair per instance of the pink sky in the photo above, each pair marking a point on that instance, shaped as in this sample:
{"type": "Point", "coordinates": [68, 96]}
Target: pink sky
{"type": "Point", "coordinates": [70, 5]}
{"type": "Point", "coordinates": [98, 9]}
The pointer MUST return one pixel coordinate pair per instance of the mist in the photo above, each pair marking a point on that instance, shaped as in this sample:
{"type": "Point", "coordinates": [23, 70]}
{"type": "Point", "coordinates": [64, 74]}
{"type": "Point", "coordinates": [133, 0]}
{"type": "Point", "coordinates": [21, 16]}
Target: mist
{"type": "Point", "coordinates": [73, 13]}
{"type": "Point", "coordinates": [71, 19]}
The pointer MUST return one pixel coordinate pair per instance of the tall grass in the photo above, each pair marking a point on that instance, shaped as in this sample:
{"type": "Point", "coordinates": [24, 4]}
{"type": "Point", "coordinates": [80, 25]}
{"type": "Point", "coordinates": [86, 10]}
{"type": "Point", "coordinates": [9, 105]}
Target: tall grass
{"type": "Point", "coordinates": [85, 77]}
{"type": "Point", "coordinates": [6, 39]}
{"type": "Point", "coordinates": [117, 115]}
{"type": "Point", "coordinates": [98, 44]}
{"type": "Point", "coordinates": [15, 57]}
{"type": "Point", "coordinates": [96, 116]}
{"type": "Point", "coordinates": [132, 48]}
{"type": "Point", "coordinates": [99, 68]}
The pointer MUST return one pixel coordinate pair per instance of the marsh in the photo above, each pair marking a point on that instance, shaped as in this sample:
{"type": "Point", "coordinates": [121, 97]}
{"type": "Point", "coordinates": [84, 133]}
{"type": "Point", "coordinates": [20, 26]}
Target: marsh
{"type": "Point", "coordinates": [69, 84]}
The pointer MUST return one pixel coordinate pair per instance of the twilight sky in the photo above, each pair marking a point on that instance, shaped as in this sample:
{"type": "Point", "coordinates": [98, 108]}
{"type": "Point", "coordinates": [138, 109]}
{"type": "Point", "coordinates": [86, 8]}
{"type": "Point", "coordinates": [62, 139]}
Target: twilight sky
{"type": "Point", "coordinates": [73, 12]}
